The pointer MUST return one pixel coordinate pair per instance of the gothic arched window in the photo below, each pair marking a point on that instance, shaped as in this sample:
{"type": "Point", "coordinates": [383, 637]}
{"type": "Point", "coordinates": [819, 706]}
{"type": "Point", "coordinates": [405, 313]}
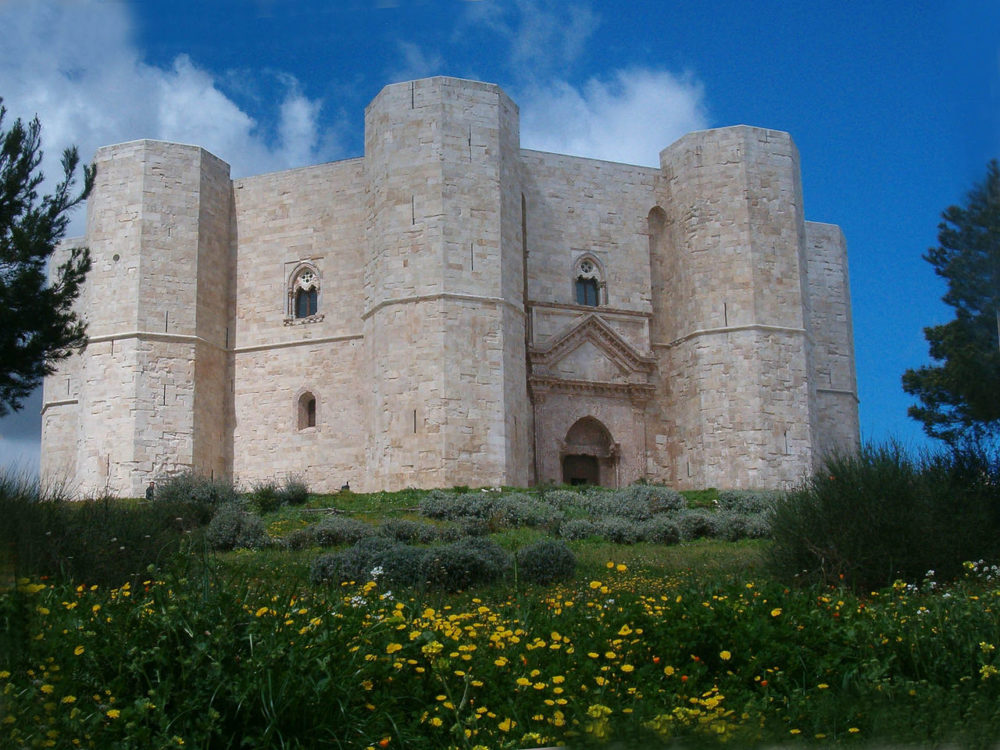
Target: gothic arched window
{"type": "Point", "coordinates": [588, 282]}
{"type": "Point", "coordinates": [303, 294]}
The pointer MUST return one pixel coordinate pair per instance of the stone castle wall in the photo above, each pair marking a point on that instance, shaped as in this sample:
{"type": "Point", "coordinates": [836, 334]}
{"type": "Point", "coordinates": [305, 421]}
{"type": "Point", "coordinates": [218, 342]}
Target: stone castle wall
{"type": "Point", "coordinates": [448, 346]}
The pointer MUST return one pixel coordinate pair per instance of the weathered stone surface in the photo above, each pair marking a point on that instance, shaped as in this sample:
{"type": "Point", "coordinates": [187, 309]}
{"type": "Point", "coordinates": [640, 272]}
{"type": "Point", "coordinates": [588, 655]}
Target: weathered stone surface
{"type": "Point", "coordinates": [447, 347]}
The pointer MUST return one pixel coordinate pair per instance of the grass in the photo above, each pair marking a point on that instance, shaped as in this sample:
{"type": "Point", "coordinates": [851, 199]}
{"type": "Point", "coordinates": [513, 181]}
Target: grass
{"type": "Point", "coordinates": [694, 644]}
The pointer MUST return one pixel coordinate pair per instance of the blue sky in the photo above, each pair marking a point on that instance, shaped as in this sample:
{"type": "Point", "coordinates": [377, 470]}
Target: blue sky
{"type": "Point", "coordinates": [894, 106]}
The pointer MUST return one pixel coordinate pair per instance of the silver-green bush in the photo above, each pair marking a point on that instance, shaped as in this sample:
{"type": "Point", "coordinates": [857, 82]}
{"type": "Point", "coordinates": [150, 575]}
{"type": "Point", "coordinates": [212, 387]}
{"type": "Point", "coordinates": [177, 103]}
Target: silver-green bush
{"type": "Point", "coordinates": [233, 528]}
{"type": "Point", "coordinates": [660, 530]}
{"type": "Point", "coordinates": [545, 562]}
{"type": "Point", "coordinates": [619, 530]}
{"type": "Point", "coordinates": [577, 528]}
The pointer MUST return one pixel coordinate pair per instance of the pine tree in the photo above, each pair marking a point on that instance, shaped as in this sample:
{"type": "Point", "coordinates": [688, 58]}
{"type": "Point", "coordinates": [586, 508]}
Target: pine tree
{"type": "Point", "coordinates": [960, 397]}
{"type": "Point", "coordinates": [38, 326]}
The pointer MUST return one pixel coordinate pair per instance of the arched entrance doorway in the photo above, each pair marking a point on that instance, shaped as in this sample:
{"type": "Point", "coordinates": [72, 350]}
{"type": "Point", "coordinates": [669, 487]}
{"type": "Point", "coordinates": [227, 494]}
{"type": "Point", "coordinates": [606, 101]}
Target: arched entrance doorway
{"type": "Point", "coordinates": [589, 455]}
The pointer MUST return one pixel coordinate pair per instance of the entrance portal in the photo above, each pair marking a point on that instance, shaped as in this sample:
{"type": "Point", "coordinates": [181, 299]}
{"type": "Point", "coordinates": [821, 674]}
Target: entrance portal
{"type": "Point", "coordinates": [589, 455]}
{"type": "Point", "coordinates": [581, 470]}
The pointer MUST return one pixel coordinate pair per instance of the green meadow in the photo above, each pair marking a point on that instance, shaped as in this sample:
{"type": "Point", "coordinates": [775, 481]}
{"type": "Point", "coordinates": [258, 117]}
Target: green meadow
{"type": "Point", "coordinates": [459, 619]}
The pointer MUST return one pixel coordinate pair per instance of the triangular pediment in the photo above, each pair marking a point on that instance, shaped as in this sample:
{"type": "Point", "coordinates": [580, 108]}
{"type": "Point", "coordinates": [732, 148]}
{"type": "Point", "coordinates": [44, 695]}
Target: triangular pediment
{"type": "Point", "coordinates": [591, 350]}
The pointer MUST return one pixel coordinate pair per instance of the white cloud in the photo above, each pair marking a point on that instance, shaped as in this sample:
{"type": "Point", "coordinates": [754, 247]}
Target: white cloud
{"type": "Point", "coordinates": [416, 63]}
{"type": "Point", "coordinates": [629, 117]}
{"type": "Point", "coordinates": [76, 65]}
{"type": "Point", "coordinates": [544, 35]}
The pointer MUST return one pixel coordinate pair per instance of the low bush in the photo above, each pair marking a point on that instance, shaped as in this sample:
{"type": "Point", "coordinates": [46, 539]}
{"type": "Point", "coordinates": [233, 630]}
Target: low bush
{"type": "Point", "coordinates": [264, 497]}
{"type": "Point", "coordinates": [293, 492]}
{"type": "Point", "coordinates": [356, 563]}
{"type": "Point", "coordinates": [465, 563]}
{"type": "Point", "coordinates": [562, 499]}
{"type": "Point", "coordinates": [519, 509]}
{"type": "Point", "coordinates": [732, 526]}
{"type": "Point", "coordinates": [334, 531]}
{"type": "Point", "coordinates": [545, 562]}
{"type": "Point", "coordinates": [660, 530]}
{"type": "Point", "coordinates": [462, 528]}
{"type": "Point", "coordinates": [190, 487]}
{"type": "Point", "coordinates": [698, 524]}
{"type": "Point", "coordinates": [618, 530]}
{"type": "Point", "coordinates": [577, 528]}
{"type": "Point", "coordinates": [879, 515]}
{"type": "Point", "coordinates": [409, 532]}
{"type": "Point", "coordinates": [655, 497]}
{"type": "Point", "coordinates": [748, 501]}
{"type": "Point", "coordinates": [232, 527]}
{"type": "Point", "coordinates": [450, 506]}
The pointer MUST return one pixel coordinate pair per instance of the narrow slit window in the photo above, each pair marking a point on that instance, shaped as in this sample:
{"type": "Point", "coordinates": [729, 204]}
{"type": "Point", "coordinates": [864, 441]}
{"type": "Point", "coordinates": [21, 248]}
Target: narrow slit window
{"type": "Point", "coordinates": [307, 411]}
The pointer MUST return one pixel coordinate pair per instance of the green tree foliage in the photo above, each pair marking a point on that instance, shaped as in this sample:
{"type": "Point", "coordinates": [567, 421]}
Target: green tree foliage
{"type": "Point", "coordinates": [959, 395]}
{"type": "Point", "coordinates": [38, 327]}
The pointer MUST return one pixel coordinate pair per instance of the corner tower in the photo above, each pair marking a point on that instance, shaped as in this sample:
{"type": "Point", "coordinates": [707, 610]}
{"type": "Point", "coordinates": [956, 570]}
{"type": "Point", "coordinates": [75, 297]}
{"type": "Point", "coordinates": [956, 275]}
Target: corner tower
{"type": "Point", "coordinates": [736, 356]}
{"type": "Point", "coordinates": [149, 388]}
{"type": "Point", "coordinates": [444, 279]}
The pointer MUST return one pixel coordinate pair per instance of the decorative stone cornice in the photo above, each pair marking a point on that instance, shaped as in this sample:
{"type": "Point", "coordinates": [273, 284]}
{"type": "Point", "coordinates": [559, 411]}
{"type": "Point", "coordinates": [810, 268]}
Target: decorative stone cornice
{"type": "Point", "coordinates": [637, 393]}
{"type": "Point", "coordinates": [595, 330]}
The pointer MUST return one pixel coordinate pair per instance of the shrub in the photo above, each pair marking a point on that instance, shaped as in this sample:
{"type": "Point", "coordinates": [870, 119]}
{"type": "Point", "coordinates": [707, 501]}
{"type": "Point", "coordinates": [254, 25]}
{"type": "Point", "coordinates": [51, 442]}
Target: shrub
{"type": "Point", "coordinates": [518, 509]}
{"type": "Point", "coordinates": [333, 531]}
{"type": "Point", "coordinates": [402, 565]}
{"type": "Point", "coordinates": [293, 492]}
{"type": "Point", "coordinates": [732, 526]}
{"type": "Point", "coordinates": [618, 530]}
{"type": "Point", "coordinates": [410, 532]}
{"type": "Point", "coordinates": [748, 501]}
{"type": "Point", "coordinates": [353, 564]}
{"type": "Point", "coordinates": [695, 524]}
{"type": "Point", "coordinates": [546, 562]}
{"type": "Point", "coordinates": [660, 530]}
{"type": "Point", "coordinates": [233, 528]}
{"type": "Point", "coordinates": [462, 528]}
{"type": "Point", "coordinates": [562, 499]}
{"type": "Point", "coordinates": [578, 528]}
{"type": "Point", "coordinates": [876, 516]}
{"type": "Point", "coordinates": [189, 487]}
{"type": "Point", "coordinates": [447, 505]}
{"type": "Point", "coordinates": [637, 502]}
{"type": "Point", "coordinates": [656, 498]}
{"type": "Point", "coordinates": [464, 563]}
{"type": "Point", "coordinates": [264, 498]}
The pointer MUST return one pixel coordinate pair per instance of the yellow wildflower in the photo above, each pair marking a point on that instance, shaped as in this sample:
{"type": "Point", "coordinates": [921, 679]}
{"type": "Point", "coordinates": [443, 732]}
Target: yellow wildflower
{"type": "Point", "coordinates": [725, 655]}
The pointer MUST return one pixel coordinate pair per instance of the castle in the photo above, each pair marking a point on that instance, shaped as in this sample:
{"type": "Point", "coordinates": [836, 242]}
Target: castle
{"type": "Point", "coordinates": [451, 309]}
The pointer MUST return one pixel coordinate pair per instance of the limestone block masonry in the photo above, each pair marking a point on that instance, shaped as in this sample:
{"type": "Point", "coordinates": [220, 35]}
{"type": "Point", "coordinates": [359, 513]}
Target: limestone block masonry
{"type": "Point", "coordinates": [452, 309]}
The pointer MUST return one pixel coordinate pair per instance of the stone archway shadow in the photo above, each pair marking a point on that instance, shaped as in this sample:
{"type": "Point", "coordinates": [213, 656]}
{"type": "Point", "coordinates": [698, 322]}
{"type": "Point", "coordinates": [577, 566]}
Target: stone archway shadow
{"type": "Point", "coordinates": [589, 455]}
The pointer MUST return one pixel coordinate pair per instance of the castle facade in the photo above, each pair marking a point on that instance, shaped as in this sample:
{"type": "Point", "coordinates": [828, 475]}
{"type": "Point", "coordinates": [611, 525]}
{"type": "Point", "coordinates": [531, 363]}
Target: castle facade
{"type": "Point", "coordinates": [451, 309]}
